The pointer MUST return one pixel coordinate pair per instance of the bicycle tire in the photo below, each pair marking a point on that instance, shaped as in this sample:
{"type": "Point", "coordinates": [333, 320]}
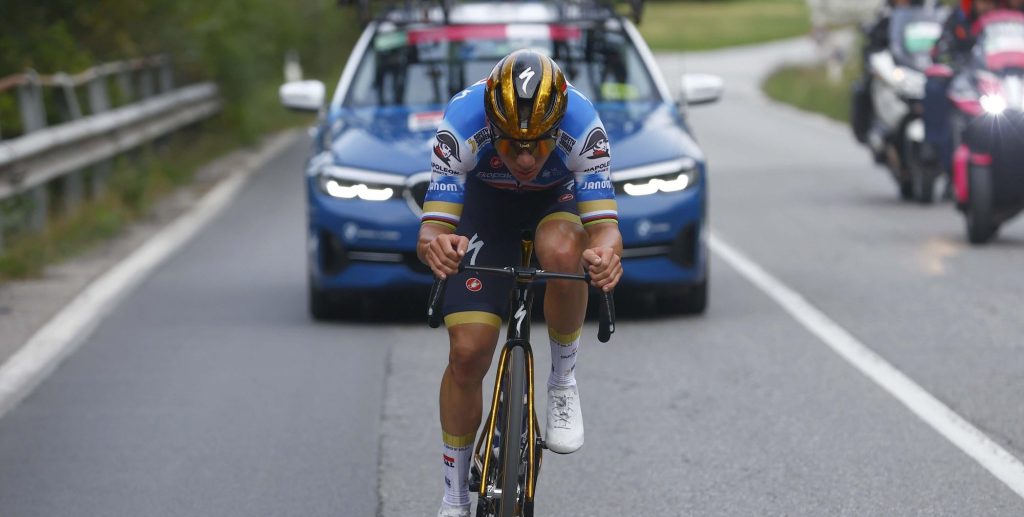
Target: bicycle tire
{"type": "Point", "coordinates": [512, 432]}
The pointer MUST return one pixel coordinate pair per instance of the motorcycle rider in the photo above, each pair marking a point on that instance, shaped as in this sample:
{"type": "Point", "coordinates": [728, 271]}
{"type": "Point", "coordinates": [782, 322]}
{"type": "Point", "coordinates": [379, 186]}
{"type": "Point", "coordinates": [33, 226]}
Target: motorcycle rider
{"type": "Point", "coordinates": [951, 52]}
{"type": "Point", "coordinates": [877, 40]}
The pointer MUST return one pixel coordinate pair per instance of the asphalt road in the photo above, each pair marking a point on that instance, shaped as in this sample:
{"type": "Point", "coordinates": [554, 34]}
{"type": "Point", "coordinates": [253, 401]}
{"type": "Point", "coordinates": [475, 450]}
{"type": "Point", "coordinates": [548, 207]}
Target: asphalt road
{"type": "Point", "coordinates": [209, 392]}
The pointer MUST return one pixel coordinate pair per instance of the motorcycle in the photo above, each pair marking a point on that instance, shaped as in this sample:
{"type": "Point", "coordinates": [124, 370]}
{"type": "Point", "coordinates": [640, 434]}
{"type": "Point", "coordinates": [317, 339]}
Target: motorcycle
{"type": "Point", "coordinates": [988, 126]}
{"type": "Point", "coordinates": [896, 132]}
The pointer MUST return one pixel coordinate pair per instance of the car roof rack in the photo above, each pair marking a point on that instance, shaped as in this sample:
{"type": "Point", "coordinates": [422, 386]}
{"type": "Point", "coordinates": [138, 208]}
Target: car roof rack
{"type": "Point", "coordinates": [404, 12]}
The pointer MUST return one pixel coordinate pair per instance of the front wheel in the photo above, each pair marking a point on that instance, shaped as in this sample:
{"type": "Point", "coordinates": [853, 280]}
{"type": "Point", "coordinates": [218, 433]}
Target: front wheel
{"type": "Point", "coordinates": [512, 457]}
{"type": "Point", "coordinates": [981, 225]}
{"type": "Point", "coordinates": [922, 175]}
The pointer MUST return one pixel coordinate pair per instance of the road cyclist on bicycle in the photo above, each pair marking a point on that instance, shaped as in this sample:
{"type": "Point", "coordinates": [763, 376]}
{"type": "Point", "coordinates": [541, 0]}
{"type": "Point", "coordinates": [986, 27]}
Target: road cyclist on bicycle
{"type": "Point", "coordinates": [521, 149]}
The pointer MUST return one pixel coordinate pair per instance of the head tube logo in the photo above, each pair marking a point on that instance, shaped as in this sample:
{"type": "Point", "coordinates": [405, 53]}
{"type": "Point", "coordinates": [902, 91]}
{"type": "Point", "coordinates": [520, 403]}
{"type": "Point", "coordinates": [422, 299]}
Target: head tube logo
{"type": "Point", "coordinates": [474, 285]}
{"type": "Point", "coordinates": [447, 147]}
{"type": "Point", "coordinates": [597, 144]}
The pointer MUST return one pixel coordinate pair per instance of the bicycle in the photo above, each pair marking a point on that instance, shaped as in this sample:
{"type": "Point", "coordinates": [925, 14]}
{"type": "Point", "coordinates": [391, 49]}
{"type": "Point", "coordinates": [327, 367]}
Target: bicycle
{"type": "Point", "coordinates": [501, 467]}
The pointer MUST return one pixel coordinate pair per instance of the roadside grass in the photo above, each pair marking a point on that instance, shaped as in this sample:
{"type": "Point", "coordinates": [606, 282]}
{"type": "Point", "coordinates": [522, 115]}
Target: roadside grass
{"type": "Point", "coordinates": [810, 89]}
{"type": "Point", "coordinates": [705, 25]}
{"type": "Point", "coordinates": [137, 182]}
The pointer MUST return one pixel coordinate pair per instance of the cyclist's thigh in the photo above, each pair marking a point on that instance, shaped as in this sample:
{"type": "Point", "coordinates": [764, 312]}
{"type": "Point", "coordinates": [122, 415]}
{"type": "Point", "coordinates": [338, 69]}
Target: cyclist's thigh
{"type": "Point", "coordinates": [559, 229]}
{"type": "Point", "coordinates": [488, 220]}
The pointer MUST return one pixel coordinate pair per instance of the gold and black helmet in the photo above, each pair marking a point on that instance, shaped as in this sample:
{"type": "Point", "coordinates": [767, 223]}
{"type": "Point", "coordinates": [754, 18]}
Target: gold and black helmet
{"type": "Point", "coordinates": [525, 97]}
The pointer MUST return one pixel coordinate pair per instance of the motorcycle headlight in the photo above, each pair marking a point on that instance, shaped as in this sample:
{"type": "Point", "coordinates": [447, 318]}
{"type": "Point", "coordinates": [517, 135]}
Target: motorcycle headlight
{"type": "Point", "coordinates": [670, 176]}
{"type": "Point", "coordinates": [993, 104]}
{"type": "Point", "coordinates": [349, 183]}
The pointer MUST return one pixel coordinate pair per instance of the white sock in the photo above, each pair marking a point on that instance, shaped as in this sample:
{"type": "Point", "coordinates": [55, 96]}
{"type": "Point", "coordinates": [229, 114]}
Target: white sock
{"type": "Point", "coordinates": [564, 348]}
{"type": "Point", "coordinates": [456, 454]}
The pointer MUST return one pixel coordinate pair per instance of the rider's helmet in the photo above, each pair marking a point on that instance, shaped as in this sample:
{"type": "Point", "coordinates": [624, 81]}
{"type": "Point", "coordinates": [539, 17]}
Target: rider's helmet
{"type": "Point", "coordinates": [525, 96]}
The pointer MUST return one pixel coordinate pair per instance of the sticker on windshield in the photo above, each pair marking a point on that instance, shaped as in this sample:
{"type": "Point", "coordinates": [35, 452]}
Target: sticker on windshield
{"type": "Point", "coordinates": [618, 92]}
{"type": "Point", "coordinates": [425, 120]}
{"type": "Point", "coordinates": [386, 41]}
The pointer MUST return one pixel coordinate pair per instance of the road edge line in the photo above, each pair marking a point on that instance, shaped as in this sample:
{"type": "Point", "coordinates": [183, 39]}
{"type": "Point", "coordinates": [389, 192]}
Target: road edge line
{"type": "Point", "coordinates": [961, 433]}
{"type": "Point", "coordinates": [59, 337]}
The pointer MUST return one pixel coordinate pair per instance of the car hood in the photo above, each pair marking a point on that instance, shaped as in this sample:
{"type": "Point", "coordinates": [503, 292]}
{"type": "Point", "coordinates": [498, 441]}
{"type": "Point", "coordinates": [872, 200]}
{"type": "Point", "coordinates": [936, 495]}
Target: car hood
{"type": "Point", "coordinates": [399, 140]}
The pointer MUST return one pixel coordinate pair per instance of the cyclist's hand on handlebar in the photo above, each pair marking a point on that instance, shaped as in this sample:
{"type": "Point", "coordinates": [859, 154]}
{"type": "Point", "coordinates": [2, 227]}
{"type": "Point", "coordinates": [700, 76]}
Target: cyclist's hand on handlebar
{"type": "Point", "coordinates": [604, 266]}
{"type": "Point", "coordinates": [444, 254]}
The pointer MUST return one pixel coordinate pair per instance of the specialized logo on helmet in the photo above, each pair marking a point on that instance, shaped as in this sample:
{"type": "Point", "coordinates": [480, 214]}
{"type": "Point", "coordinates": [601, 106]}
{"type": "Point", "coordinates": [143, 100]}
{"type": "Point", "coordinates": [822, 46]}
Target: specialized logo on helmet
{"type": "Point", "coordinates": [526, 76]}
{"type": "Point", "coordinates": [474, 285]}
{"type": "Point", "coordinates": [597, 144]}
{"type": "Point", "coordinates": [447, 147]}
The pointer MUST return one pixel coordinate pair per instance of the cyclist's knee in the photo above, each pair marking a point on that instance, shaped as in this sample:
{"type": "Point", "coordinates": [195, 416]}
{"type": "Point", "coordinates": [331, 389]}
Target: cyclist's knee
{"type": "Point", "coordinates": [560, 246]}
{"type": "Point", "coordinates": [471, 349]}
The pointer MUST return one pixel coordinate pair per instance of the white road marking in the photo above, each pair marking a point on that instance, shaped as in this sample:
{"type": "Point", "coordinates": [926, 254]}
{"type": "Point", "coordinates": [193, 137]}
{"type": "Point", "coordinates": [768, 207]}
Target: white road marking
{"type": "Point", "coordinates": [952, 426]}
{"type": "Point", "coordinates": [60, 336]}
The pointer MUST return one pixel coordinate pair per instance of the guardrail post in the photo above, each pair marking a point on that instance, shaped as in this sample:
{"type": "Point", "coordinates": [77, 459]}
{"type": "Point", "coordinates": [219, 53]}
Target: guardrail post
{"type": "Point", "coordinates": [72, 110]}
{"type": "Point", "coordinates": [30, 103]}
{"type": "Point", "coordinates": [99, 100]}
{"type": "Point", "coordinates": [124, 82]}
{"type": "Point", "coordinates": [166, 76]}
{"type": "Point", "coordinates": [40, 197]}
{"type": "Point", "coordinates": [146, 89]}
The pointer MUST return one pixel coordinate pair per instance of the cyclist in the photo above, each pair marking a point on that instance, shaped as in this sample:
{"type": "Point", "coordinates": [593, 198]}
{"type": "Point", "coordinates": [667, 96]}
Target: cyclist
{"type": "Point", "coordinates": [951, 51]}
{"type": "Point", "coordinates": [521, 149]}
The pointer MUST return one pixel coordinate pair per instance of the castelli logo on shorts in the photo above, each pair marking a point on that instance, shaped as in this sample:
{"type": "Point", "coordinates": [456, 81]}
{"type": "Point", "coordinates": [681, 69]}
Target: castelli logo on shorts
{"type": "Point", "coordinates": [564, 198]}
{"type": "Point", "coordinates": [495, 162]}
{"type": "Point", "coordinates": [474, 284]}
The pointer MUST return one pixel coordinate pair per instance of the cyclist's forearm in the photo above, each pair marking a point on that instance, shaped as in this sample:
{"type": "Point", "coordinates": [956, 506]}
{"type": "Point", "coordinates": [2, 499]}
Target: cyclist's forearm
{"type": "Point", "coordinates": [605, 235]}
{"type": "Point", "coordinates": [429, 232]}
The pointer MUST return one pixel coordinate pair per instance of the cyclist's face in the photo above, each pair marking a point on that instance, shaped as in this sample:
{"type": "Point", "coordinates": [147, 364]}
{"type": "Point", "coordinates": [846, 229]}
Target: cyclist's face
{"type": "Point", "coordinates": [524, 158]}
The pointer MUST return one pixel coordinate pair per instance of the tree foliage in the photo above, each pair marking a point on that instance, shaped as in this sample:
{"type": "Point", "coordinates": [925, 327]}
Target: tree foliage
{"type": "Point", "coordinates": [238, 43]}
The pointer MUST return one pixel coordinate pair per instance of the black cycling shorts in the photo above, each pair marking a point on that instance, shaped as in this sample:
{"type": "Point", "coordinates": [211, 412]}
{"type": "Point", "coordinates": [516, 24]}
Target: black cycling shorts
{"type": "Point", "coordinates": [493, 220]}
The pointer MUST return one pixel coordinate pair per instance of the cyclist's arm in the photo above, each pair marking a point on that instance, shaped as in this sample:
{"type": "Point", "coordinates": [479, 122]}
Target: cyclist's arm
{"type": "Point", "coordinates": [438, 246]}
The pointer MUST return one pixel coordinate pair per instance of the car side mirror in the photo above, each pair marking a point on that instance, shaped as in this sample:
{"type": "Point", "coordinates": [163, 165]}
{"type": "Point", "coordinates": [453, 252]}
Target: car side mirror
{"type": "Point", "coordinates": [302, 95]}
{"type": "Point", "coordinates": [700, 89]}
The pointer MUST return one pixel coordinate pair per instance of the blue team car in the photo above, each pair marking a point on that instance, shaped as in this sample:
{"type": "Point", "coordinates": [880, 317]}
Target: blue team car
{"type": "Point", "coordinates": [369, 169]}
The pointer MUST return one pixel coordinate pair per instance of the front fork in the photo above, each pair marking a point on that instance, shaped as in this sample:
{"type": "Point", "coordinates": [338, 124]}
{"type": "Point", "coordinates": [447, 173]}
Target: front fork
{"type": "Point", "coordinates": [518, 335]}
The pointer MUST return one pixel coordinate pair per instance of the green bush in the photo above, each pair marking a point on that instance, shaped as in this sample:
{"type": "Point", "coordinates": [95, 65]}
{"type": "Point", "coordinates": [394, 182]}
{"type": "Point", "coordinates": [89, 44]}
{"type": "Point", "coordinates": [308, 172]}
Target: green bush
{"type": "Point", "coordinates": [238, 43]}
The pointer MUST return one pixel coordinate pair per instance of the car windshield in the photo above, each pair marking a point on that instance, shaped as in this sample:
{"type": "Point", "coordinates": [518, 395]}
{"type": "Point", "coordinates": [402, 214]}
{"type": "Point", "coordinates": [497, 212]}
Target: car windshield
{"type": "Point", "coordinates": [427, 65]}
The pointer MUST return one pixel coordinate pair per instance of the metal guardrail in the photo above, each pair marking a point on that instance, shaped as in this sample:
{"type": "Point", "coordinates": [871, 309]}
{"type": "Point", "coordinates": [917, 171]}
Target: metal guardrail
{"type": "Point", "coordinates": [43, 154]}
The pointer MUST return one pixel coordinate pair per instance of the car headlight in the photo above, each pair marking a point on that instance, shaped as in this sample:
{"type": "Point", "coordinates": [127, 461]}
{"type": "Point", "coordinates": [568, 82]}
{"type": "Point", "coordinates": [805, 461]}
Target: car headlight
{"type": "Point", "coordinates": [994, 104]}
{"type": "Point", "coordinates": [670, 176]}
{"type": "Point", "coordinates": [349, 183]}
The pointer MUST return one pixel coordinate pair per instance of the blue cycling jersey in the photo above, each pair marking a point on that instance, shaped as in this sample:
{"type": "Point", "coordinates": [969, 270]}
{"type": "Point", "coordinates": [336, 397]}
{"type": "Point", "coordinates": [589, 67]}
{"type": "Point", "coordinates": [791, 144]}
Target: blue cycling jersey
{"type": "Point", "coordinates": [463, 148]}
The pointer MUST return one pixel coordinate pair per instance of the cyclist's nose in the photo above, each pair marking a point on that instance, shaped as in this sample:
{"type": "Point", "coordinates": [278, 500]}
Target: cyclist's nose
{"type": "Point", "coordinates": [525, 161]}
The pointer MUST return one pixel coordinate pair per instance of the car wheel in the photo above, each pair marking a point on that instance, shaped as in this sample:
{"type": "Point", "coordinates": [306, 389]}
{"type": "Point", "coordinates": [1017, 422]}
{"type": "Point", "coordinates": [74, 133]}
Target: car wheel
{"type": "Point", "coordinates": [320, 307]}
{"type": "Point", "coordinates": [684, 300]}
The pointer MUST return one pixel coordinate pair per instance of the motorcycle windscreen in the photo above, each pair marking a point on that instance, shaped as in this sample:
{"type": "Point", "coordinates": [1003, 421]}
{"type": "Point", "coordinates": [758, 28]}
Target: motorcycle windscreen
{"type": "Point", "coordinates": [913, 32]}
{"type": "Point", "coordinates": [1001, 40]}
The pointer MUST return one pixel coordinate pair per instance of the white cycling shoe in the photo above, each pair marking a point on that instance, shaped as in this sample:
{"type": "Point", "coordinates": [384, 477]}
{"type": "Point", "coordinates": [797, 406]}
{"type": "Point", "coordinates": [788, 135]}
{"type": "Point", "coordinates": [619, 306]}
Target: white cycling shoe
{"type": "Point", "coordinates": [453, 511]}
{"type": "Point", "coordinates": [565, 420]}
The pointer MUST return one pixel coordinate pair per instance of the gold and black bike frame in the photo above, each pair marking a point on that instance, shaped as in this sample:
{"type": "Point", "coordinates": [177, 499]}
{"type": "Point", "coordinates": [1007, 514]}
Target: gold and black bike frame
{"type": "Point", "coordinates": [520, 306]}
